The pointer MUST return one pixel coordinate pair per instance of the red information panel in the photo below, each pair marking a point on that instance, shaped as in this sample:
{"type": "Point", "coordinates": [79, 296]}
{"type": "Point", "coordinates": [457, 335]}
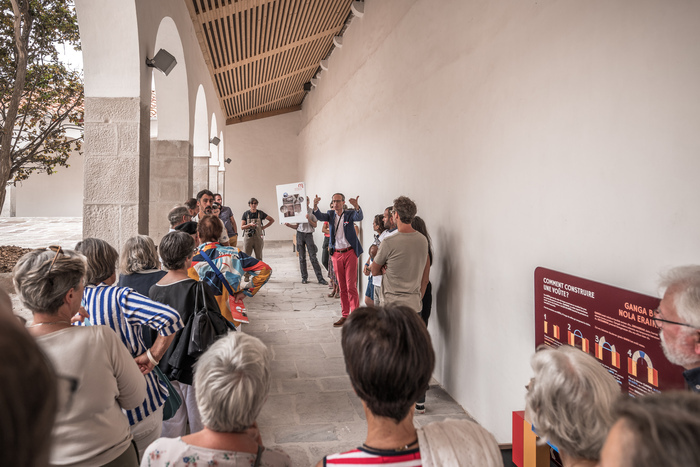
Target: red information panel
{"type": "Point", "coordinates": [614, 325]}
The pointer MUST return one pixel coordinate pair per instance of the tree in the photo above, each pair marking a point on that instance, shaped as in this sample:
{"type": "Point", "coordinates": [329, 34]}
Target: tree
{"type": "Point", "coordinates": [40, 97]}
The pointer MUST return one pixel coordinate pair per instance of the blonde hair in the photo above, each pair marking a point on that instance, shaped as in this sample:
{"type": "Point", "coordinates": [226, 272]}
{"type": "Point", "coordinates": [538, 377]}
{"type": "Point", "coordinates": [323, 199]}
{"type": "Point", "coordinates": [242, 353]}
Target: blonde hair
{"type": "Point", "coordinates": [138, 254]}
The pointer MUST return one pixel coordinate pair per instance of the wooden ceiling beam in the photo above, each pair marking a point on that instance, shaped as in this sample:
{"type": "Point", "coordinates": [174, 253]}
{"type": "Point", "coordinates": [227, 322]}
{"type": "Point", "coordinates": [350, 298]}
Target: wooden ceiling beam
{"type": "Point", "coordinates": [271, 113]}
{"type": "Point", "coordinates": [327, 33]}
{"type": "Point", "coordinates": [272, 81]}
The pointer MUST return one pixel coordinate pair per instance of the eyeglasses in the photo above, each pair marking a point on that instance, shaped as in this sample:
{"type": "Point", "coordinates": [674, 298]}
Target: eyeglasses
{"type": "Point", "coordinates": [56, 249]}
{"type": "Point", "coordinates": [657, 312]}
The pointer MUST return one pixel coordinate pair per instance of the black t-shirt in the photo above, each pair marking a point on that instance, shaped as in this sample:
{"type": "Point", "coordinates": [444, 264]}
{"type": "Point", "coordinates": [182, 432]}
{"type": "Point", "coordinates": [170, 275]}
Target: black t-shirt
{"type": "Point", "coordinates": [250, 216]}
{"type": "Point", "coordinates": [181, 296]}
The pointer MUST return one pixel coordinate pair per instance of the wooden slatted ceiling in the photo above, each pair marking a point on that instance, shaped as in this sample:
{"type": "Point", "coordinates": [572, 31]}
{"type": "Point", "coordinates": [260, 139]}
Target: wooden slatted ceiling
{"type": "Point", "coordinates": [261, 52]}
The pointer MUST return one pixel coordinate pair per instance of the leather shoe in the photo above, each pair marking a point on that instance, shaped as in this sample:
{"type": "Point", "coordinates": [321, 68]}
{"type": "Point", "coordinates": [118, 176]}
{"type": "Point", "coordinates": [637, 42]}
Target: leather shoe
{"type": "Point", "coordinates": [323, 282]}
{"type": "Point", "coordinates": [304, 281]}
{"type": "Point", "coordinates": [340, 322]}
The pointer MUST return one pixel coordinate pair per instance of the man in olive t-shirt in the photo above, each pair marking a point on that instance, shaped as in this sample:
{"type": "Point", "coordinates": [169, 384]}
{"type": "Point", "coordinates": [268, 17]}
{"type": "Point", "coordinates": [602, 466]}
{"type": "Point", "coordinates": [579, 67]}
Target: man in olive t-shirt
{"type": "Point", "coordinates": [403, 260]}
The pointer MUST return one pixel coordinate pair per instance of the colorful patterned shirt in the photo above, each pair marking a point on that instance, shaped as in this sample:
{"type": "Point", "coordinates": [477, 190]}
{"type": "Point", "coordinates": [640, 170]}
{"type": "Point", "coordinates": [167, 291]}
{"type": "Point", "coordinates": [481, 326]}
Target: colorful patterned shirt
{"type": "Point", "coordinates": [126, 311]}
{"type": "Point", "coordinates": [233, 264]}
{"type": "Point", "coordinates": [171, 452]}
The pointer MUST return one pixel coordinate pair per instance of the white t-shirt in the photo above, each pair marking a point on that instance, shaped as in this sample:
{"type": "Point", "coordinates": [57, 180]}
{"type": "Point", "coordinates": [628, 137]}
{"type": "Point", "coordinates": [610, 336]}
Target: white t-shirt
{"type": "Point", "coordinates": [377, 280]}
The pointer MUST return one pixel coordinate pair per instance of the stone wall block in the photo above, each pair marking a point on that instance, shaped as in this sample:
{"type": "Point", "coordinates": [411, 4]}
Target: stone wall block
{"type": "Point", "coordinates": [129, 138]}
{"type": "Point", "coordinates": [200, 174]}
{"type": "Point", "coordinates": [111, 180]}
{"type": "Point", "coordinates": [112, 109]}
{"type": "Point", "coordinates": [169, 168]}
{"type": "Point", "coordinates": [173, 191]}
{"type": "Point", "coordinates": [102, 221]}
{"type": "Point", "coordinates": [101, 139]}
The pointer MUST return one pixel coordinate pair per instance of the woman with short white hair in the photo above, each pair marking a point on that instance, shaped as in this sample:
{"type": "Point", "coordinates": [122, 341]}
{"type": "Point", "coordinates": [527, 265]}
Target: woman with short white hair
{"type": "Point", "coordinates": [570, 403]}
{"type": "Point", "coordinates": [232, 380]}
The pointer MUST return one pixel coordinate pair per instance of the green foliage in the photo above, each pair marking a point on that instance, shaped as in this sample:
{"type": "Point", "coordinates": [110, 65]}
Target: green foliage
{"type": "Point", "coordinates": [52, 97]}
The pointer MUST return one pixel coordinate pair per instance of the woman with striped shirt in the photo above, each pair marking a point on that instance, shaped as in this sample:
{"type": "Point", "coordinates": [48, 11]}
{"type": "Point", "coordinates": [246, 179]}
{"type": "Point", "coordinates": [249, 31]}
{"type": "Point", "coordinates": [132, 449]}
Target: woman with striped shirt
{"type": "Point", "coordinates": [126, 311]}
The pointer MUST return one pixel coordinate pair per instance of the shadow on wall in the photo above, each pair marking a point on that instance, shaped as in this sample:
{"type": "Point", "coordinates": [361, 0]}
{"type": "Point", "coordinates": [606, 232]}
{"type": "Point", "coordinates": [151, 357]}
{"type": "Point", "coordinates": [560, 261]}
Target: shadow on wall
{"type": "Point", "coordinates": [448, 299]}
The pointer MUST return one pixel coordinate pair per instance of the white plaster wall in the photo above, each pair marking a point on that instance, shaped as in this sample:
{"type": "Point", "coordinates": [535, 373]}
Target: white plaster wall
{"type": "Point", "coordinates": [264, 154]}
{"type": "Point", "coordinates": [57, 195]}
{"type": "Point", "coordinates": [535, 133]}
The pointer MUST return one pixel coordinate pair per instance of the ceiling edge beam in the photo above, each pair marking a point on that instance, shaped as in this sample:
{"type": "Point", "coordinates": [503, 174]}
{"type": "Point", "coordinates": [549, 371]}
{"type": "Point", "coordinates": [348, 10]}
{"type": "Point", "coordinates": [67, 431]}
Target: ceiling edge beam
{"type": "Point", "coordinates": [271, 113]}
{"type": "Point", "coordinates": [271, 82]}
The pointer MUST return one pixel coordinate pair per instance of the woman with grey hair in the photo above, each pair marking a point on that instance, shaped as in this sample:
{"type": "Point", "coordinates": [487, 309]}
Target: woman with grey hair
{"type": "Point", "coordinates": [570, 403]}
{"type": "Point", "coordinates": [232, 380]}
{"type": "Point", "coordinates": [98, 375]}
{"type": "Point", "coordinates": [139, 264]}
{"type": "Point", "coordinates": [127, 312]}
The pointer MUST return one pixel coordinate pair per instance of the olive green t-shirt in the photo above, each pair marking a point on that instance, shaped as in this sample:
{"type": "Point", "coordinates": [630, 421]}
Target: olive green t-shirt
{"type": "Point", "coordinates": [404, 255]}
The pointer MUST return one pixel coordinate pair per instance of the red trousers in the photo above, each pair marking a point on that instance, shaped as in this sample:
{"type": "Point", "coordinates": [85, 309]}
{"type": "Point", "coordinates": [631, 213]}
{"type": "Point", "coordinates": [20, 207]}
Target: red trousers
{"type": "Point", "coordinates": [345, 265]}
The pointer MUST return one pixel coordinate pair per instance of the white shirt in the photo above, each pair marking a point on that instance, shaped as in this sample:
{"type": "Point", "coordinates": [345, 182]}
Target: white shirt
{"type": "Point", "coordinates": [340, 241]}
{"type": "Point", "coordinates": [305, 227]}
{"type": "Point", "coordinates": [377, 280]}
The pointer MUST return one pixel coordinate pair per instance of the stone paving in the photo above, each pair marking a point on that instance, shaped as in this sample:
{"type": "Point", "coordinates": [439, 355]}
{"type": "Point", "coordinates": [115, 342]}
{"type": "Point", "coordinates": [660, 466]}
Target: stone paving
{"type": "Point", "coordinates": [311, 410]}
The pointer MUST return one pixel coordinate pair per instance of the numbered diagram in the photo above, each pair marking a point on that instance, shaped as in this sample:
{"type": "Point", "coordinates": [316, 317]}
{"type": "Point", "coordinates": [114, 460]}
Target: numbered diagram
{"type": "Point", "coordinates": [555, 329]}
{"type": "Point", "coordinates": [633, 361]}
{"type": "Point", "coordinates": [603, 346]}
{"type": "Point", "coordinates": [576, 334]}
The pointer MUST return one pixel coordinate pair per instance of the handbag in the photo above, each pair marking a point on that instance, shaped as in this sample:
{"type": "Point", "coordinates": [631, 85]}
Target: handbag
{"type": "Point", "coordinates": [207, 324]}
{"type": "Point", "coordinates": [174, 401]}
{"type": "Point", "coordinates": [236, 307]}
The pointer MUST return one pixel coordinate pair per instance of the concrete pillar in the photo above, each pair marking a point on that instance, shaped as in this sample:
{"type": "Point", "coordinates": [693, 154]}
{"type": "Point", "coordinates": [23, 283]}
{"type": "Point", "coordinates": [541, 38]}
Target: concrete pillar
{"type": "Point", "coordinates": [9, 209]}
{"type": "Point", "coordinates": [171, 182]}
{"type": "Point", "coordinates": [200, 178]}
{"type": "Point", "coordinates": [214, 178]}
{"type": "Point", "coordinates": [221, 184]}
{"type": "Point", "coordinates": [115, 205]}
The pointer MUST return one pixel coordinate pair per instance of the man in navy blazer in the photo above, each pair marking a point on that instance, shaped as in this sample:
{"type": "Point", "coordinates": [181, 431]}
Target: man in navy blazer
{"type": "Point", "coordinates": [346, 249]}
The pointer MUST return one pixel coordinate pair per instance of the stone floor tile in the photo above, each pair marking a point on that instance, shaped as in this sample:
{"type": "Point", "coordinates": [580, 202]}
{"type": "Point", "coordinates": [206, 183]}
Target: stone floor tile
{"type": "Point", "coordinates": [284, 369]}
{"type": "Point", "coordinates": [324, 407]}
{"type": "Point", "coordinates": [320, 336]}
{"type": "Point", "coordinates": [278, 410]}
{"type": "Point", "coordinates": [297, 351]}
{"type": "Point", "coordinates": [332, 349]}
{"type": "Point", "coordinates": [298, 386]}
{"type": "Point", "coordinates": [335, 383]}
{"type": "Point", "coordinates": [309, 434]}
{"type": "Point", "coordinates": [319, 368]}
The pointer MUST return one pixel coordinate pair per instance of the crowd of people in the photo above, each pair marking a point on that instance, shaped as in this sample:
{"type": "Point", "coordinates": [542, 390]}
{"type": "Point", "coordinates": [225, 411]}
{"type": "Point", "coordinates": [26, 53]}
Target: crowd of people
{"type": "Point", "coordinates": [106, 373]}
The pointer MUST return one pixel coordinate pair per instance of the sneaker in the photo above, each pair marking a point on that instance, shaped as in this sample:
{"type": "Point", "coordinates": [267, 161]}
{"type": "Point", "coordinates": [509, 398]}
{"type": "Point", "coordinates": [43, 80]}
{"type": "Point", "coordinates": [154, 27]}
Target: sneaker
{"type": "Point", "coordinates": [323, 282]}
{"type": "Point", "coordinates": [420, 408]}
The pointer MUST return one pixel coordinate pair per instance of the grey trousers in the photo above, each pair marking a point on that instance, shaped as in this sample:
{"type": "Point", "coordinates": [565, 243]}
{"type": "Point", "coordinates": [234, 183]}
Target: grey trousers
{"type": "Point", "coordinates": [305, 240]}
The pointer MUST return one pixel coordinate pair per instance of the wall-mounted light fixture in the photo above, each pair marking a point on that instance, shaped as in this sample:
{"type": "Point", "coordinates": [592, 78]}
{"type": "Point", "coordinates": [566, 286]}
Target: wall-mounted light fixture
{"type": "Point", "coordinates": [163, 61]}
{"type": "Point", "coordinates": [307, 86]}
{"type": "Point", "coordinates": [215, 141]}
{"type": "Point", "coordinates": [228, 161]}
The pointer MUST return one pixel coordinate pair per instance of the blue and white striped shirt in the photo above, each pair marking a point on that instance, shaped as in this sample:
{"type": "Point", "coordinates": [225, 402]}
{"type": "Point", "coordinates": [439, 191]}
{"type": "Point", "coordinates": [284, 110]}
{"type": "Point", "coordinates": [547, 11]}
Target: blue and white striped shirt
{"type": "Point", "coordinates": [125, 311]}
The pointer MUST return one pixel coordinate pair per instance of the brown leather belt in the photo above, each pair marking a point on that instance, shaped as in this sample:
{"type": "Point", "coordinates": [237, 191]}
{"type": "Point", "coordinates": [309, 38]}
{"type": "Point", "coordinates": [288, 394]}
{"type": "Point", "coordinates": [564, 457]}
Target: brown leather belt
{"type": "Point", "coordinates": [343, 250]}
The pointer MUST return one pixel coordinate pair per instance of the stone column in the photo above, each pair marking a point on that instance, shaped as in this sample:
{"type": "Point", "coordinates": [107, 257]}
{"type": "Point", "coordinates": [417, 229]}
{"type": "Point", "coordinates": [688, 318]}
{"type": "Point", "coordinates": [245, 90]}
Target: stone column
{"type": "Point", "coordinates": [171, 182]}
{"type": "Point", "coordinates": [115, 205]}
{"type": "Point", "coordinates": [214, 178]}
{"type": "Point", "coordinates": [200, 179]}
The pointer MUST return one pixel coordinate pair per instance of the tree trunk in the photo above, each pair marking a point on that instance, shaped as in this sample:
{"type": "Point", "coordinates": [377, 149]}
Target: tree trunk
{"type": "Point", "coordinates": [21, 12]}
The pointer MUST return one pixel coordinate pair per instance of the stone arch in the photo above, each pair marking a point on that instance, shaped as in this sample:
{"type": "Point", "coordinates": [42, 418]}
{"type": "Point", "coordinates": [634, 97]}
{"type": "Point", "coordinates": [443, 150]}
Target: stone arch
{"type": "Point", "coordinates": [200, 141]}
{"type": "Point", "coordinates": [173, 109]}
{"type": "Point", "coordinates": [170, 150]}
